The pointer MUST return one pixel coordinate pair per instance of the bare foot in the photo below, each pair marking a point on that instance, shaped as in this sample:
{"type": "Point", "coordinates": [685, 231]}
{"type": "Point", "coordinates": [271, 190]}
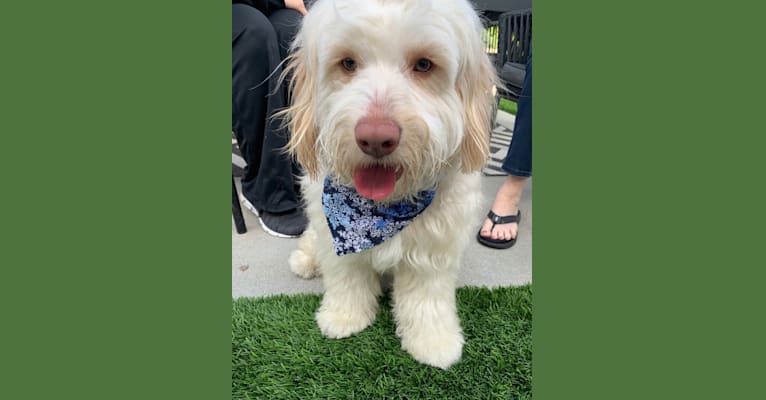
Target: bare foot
{"type": "Point", "coordinates": [506, 203]}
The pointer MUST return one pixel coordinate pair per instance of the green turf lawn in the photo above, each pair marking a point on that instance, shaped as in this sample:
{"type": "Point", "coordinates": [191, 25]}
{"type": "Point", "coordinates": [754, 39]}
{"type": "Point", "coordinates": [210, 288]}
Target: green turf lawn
{"type": "Point", "coordinates": [507, 106]}
{"type": "Point", "coordinates": [278, 352]}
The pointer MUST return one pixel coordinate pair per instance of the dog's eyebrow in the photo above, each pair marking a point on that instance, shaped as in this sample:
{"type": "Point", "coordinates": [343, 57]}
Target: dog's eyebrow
{"type": "Point", "coordinates": [341, 51]}
{"type": "Point", "coordinates": [434, 51]}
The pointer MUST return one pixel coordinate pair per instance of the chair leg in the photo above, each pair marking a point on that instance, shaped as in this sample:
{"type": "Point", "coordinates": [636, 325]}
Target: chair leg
{"type": "Point", "coordinates": [236, 209]}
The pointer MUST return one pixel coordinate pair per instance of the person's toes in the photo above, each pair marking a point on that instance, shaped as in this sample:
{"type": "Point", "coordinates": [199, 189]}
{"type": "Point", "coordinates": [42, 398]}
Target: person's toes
{"type": "Point", "coordinates": [496, 234]}
{"type": "Point", "coordinates": [486, 229]}
{"type": "Point", "coordinates": [503, 233]}
{"type": "Point", "coordinates": [500, 232]}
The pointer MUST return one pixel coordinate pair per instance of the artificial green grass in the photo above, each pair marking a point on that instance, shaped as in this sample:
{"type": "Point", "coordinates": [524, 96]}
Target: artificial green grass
{"type": "Point", "coordinates": [507, 106]}
{"type": "Point", "coordinates": [279, 353]}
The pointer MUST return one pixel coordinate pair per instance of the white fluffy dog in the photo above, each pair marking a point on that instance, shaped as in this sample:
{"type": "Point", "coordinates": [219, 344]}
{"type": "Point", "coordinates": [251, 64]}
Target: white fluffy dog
{"type": "Point", "coordinates": [393, 100]}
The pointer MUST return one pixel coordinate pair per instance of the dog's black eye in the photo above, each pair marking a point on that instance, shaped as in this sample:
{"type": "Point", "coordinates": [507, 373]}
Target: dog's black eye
{"type": "Point", "coordinates": [423, 65]}
{"type": "Point", "coordinates": [348, 64]}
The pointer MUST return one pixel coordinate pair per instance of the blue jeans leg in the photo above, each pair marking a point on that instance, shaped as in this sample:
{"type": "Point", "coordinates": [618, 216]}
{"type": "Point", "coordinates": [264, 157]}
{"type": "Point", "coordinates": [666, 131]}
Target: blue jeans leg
{"type": "Point", "coordinates": [518, 161]}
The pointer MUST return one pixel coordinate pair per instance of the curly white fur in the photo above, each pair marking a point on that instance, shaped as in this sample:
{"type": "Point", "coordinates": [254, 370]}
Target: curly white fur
{"type": "Point", "coordinates": [444, 115]}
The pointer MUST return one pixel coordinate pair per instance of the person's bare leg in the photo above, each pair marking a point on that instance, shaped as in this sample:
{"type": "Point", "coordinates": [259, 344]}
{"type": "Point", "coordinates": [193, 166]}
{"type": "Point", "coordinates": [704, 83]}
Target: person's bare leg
{"type": "Point", "coordinates": [506, 203]}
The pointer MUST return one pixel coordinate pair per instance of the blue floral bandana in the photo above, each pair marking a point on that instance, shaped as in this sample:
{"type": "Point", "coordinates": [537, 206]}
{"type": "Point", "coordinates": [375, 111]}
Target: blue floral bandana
{"type": "Point", "coordinates": [358, 224]}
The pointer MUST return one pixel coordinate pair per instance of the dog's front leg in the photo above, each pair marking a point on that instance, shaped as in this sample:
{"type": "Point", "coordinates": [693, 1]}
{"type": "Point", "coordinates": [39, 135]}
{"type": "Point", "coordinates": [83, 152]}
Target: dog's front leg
{"type": "Point", "coordinates": [303, 260]}
{"type": "Point", "coordinates": [350, 301]}
{"type": "Point", "coordinates": [426, 315]}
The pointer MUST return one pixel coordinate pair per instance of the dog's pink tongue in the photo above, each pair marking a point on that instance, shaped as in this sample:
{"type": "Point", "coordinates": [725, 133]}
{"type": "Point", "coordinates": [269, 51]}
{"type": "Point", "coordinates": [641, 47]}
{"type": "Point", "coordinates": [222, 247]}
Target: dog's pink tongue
{"type": "Point", "coordinates": [376, 182]}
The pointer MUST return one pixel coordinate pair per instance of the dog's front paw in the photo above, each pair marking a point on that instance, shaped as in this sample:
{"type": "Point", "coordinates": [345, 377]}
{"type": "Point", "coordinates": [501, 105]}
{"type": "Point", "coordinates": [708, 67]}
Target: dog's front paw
{"type": "Point", "coordinates": [337, 325]}
{"type": "Point", "coordinates": [438, 350]}
{"type": "Point", "coordinates": [302, 264]}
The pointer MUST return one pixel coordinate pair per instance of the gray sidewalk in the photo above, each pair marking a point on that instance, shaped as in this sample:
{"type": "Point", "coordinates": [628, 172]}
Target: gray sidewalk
{"type": "Point", "coordinates": [259, 261]}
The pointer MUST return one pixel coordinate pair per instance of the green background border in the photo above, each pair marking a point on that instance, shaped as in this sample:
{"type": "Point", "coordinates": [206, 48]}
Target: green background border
{"type": "Point", "coordinates": [648, 155]}
{"type": "Point", "coordinates": [116, 124]}
{"type": "Point", "coordinates": [645, 205]}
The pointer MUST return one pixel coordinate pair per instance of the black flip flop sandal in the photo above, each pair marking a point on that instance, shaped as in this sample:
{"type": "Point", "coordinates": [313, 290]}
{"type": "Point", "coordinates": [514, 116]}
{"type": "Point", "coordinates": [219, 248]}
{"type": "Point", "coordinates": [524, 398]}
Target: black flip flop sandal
{"type": "Point", "coordinates": [496, 219]}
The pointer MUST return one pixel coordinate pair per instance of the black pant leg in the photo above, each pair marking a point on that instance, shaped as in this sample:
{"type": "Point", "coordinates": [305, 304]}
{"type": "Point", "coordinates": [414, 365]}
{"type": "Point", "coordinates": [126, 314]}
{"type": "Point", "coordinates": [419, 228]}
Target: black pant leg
{"type": "Point", "coordinates": [268, 182]}
{"type": "Point", "coordinates": [286, 23]}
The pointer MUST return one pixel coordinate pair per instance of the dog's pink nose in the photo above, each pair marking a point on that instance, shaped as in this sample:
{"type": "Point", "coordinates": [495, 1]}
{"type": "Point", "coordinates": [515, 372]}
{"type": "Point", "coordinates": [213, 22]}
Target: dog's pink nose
{"type": "Point", "coordinates": [377, 136]}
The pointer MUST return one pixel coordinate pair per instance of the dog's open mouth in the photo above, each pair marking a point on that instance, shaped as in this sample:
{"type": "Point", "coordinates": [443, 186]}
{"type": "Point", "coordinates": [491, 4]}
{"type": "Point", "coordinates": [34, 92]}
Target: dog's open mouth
{"type": "Point", "coordinates": [376, 182]}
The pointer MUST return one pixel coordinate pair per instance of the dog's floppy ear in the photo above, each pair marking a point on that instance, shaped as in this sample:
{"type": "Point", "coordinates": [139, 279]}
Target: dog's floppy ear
{"type": "Point", "coordinates": [300, 114]}
{"type": "Point", "coordinates": [475, 83]}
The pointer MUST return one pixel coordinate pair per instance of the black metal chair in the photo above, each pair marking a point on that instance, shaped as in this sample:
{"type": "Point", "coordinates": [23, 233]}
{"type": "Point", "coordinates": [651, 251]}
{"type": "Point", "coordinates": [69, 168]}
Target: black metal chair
{"type": "Point", "coordinates": [236, 209]}
{"type": "Point", "coordinates": [514, 39]}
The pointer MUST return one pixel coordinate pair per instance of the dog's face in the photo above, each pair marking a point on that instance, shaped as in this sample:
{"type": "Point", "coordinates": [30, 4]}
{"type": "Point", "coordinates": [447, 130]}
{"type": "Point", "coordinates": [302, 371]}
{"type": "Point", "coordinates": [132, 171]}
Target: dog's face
{"type": "Point", "coordinates": [388, 94]}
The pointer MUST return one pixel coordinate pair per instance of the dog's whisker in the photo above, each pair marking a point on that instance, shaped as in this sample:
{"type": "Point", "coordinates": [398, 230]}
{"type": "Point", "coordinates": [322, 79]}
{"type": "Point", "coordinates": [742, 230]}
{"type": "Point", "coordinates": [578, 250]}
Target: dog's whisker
{"type": "Point", "coordinates": [276, 87]}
